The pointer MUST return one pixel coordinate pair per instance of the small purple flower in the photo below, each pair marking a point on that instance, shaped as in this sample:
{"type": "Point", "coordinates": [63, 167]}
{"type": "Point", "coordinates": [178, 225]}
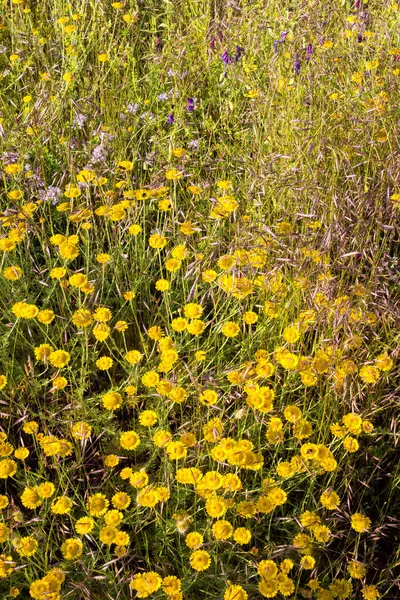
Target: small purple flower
{"type": "Point", "coordinates": [170, 119]}
{"type": "Point", "coordinates": [309, 51]}
{"type": "Point", "coordinates": [275, 45]}
{"type": "Point", "coordinates": [226, 59]}
{"type": "Point", "coordinates": [296, 66]}
{"type": "Point", "coordinates": [190, 105]}
{"type": "Point", "coordinates": [239, 52]}
{"type": "Point", "coordinates": [212, 43]}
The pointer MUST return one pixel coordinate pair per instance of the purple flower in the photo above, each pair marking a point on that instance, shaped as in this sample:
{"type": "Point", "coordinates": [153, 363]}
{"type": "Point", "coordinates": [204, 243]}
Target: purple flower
{"type": "Point", "coordinates": [170, 119]}
{"type": "Point", "coordinates": [226, 59]}
{"type": "Point", "coordinates": [309, 51]}
{"type": "Point", "coordinates": [239, 52]}
{"type": "Point", "coordinates": [190, 105]}
{"type": "Point", "coordinates": [296, 66]}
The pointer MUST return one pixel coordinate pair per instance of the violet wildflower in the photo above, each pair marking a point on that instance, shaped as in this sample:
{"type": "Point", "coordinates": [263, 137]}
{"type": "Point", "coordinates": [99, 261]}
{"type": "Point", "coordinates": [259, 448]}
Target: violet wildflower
{"type": "Point", "coordinates": [170, 119]}
{"type": "Point", "coordinates": [190, 104]}
{"type": "Point", "coordinates": [239, 52]}
{"type": "Point", "coordinates": [226, 59]}
{"type": "Point", "coordinates": [309, 51]}
{"type": "Point", "coordinates": [296, 66]}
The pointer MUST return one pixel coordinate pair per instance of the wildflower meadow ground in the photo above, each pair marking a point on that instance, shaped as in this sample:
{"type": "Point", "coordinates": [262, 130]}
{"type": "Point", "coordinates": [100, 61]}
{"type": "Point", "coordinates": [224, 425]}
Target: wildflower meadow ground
{"type": "Point", "coordinates": [199, 292]}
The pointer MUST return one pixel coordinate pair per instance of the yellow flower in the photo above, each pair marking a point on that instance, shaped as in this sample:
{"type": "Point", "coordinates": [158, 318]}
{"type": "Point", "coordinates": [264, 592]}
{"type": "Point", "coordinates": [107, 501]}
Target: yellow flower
{"type": "Point", "coordinates": [157, 241]}
{"type": "Point", "coordinates": [84, 525]}
{"type": "Point", "coordinates": [112, 400]}
{"type": "Point", "coordinates": [61, 505]}
{"type": "Point", "coordinates": [59, 358]}
{"type": "Point", "coordinates": [360, 522]}
{"type": "Point", "coordinates": [129, 440]}
{"type": "Point", "coordinates": [200, 560]}
{"type": "Point", "coordinates": [104, 363]}
{"type": "Point", "coordinates": [12, 273]}
{"type": "Point", "coordinates": [146, 583]}
{"type": "Point", "coordinates": [45, 316]}
{"type": "Point", "coordinates": [97, 505]}
{"type": "Point", "coordinates": [173, 174]}
{"type": "Point", "coordinates": [72, 548]}
{"type": "Point", "coordinates": [8, 468]}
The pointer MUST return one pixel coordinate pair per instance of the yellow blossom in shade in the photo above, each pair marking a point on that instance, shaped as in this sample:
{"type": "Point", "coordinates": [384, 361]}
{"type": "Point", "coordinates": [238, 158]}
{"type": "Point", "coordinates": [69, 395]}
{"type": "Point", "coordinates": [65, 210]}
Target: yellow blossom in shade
{"type": "Point", "coordinates": [46, 489]}
{"type": "Point", "coordinates": [242, 536]}
{"type": "Point", "coordinates": [196, 327]}
{"type": "Point", "coordinates": [370, 592]}
{"type": "Point", "coordinates": [72, 548]}
{"type": "Point", "coordinates": [291, 334]}
{"type": "Point", "coordinates": [162, 285]}
{"type": "Point", "coordinates": [222, 530]}
{"type": "Point", "coordinates": [171, 585]}
{"type": "Point", "coordinates": [161, 438]}
{"type": "Point", "coordinates": [8, 468]}
{"type": "Point", "coordinates": [286, 566]}
{"type": "Point", "coordinates": [148, 418]}
{"type": "Point", "coordinates": [84, 525]}
{"type": "Point", "coordinates": [6, 568]}
{"type": "Point", "coordinates": [81, 430]}
{"type": "Point", "coordinates": [101, 331]}
{"type": "Point", "coordinates": [135, 229]}
{"type": "Point", "coordinates": [121, 326]}
{"type": "Point", "coordinates": [133, 357]}
{"type": "Point", "coordinates": [82, 318]}
{"type": "Point", "coordinates": [230, 329]}
{"type": "Point", "coordinates": [129, 440]}
{"type": "Point", "coordinates": [111, 460]}
{"type": "Point", "coordinates": [26, 546]}
{"type": "Point", "coordinates": [145, 584]}
{"type": "Point", "coordinates": [30, 427]}
{"type": "Point", "coordinates": [194, 540]}
{"type": "Point", "coordinates": [102, 314]}
{"type": "Point", "coordinates": [3, 381]}
{"type": "Point", "coordinates": [369, 374]}
{"type": "Point", "coordinates": [356, 569]}
{"type": "Point", "coordinates": [59, 358]}
{"type": "Point", "coordinates": [268, 588]}
{"type": "Point", "coordinates": [351, 444]}
{"type": "Point", "coordinates": [307, 563]}
{"type": "Point", "coordinates": [121, 500]}
{"type": "Point", "coordinates": [4, 532]}
{"type": "Point", "coordinates": [104, 363]}
{"type": "Point", "coordinates": [157, 241]}
{"type": "Point", "coordinates": [3, 501]}
{"type": "Point", "coordinates": [12, 273]}
{"type": "Point", "coordinates": [97, 505]}
{"type": "Point", "coordinates": [43, 351]}
{"type": "Point", "coordinates": [367, 427]}
{"type": "Point", "coordinates": [61, 505]}
{"type": "Point", "coordinates": [200, 560]}
{"type": "Point", "coordinates": [58, 383]}
{"type": "Point", "coordinates": [24, 310]}
{"type": "Point", "coordinates": [235, 592]}
{"type": "Point", "coordinates": [129, 295]}
{"type": "Point", "coordinates": [341, 589]}
{"type": "Point", "coordinates": [139, 479]}
{"type": "Point", "coordinates": [21, 453]}
{"type": "Point", "coordinates": [176, 450]}
{"type": "Point", "coordinates": [360, 522]}
{"type": "Point", "coordinates": [45, 316]}
{"type": "Point", "coordinates": [383, 362]}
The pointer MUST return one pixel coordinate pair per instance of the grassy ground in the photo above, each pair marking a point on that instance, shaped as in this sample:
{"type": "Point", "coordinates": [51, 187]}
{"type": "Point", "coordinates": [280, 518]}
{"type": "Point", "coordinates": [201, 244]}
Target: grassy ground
{"type": "Point", "coordinates": [199, 250]}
